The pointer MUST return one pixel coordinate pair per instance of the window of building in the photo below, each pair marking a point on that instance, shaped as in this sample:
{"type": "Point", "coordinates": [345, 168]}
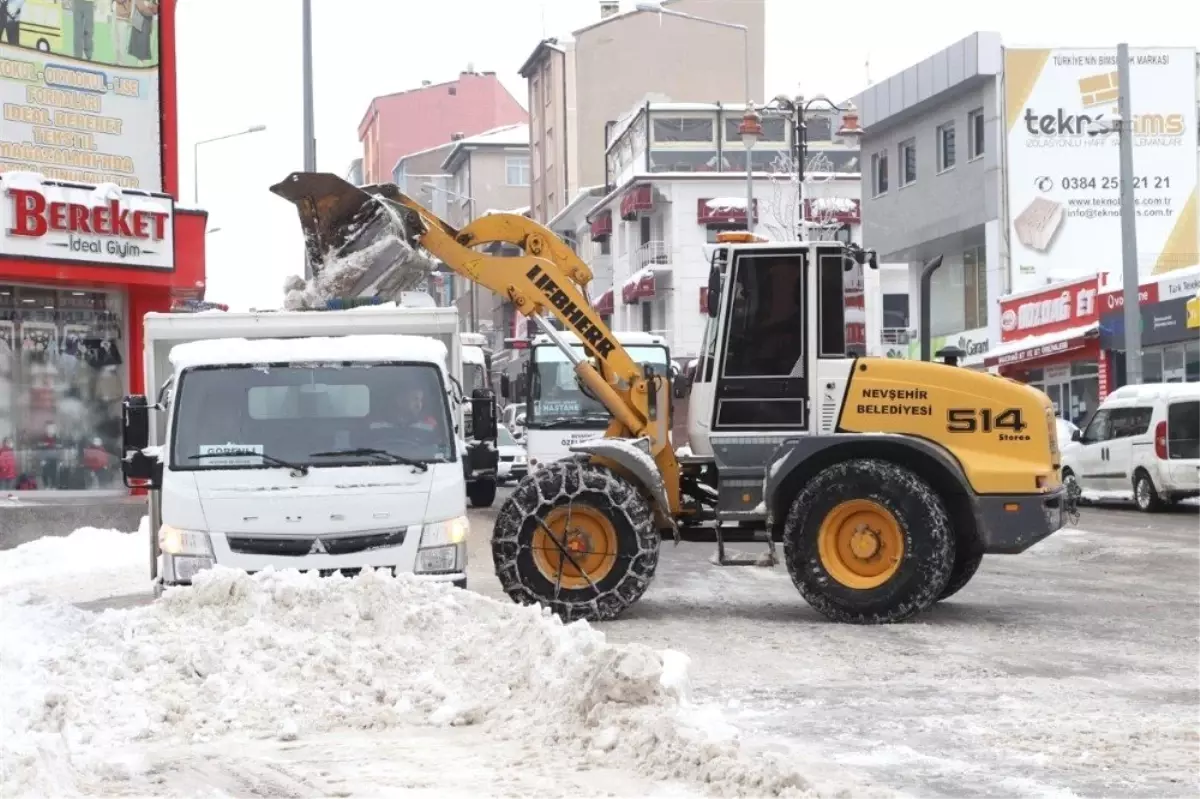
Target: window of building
{"type": "Point", "coordinates": [818, 127]}
{"type": "Point", "coordinates": [516, 170]}
{"type": "Point", "coordinates": [534, 92]}
{"type": "Point", "coordinates": [879, 173]}
{"type": "Point", "coordinates": [667, 130]}
{"type": "Point", "coordinates": [646, 229]}
{"type": "Point", "coordinates": [62, 378]}
{"type": "Point", "coordinates": [975, 134]}
{"type": "Point", "coordinates": [605, 246]}
{"type": "Point", "coordinates": [975, 288]}
{"type": "Point", "coordinates": [946, 156]}
{"type": "Point", "coordinates": [908, 162]}
{"type": "Point", "coordinates": [647, 317]}
{"type": "Point", "coordinates": [895, 311]}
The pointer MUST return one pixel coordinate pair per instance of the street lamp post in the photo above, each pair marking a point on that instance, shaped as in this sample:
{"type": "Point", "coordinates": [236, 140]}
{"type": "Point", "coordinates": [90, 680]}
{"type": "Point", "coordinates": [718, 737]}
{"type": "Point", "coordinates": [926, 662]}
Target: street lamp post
{"type": "Point", "coordinates": [310, 136]}
{"type": "Point", "coordinates": [196, 155]}
{"type": "Point", "coordinates": [750, 128]}
{"type": "Point", "coordinates": [797, 111]}
{"type": "Point", "coordinates": [471, 212]}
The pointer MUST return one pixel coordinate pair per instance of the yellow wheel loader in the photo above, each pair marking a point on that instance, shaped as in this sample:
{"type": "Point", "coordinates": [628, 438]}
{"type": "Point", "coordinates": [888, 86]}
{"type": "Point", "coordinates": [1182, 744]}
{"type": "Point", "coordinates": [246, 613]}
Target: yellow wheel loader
{"type": "Point", "coordinates": [886, 480]}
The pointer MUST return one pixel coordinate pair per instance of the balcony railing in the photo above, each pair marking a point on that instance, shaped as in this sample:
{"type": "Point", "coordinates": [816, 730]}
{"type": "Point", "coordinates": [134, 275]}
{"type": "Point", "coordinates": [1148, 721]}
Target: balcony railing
{"type": "Point", "coordinates": [896, 335]}
{"type": "Point", "coordinates": [651, 253]}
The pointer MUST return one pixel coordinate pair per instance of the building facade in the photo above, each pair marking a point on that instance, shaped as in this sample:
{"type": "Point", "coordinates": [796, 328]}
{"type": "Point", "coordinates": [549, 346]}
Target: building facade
{"type": "Point", "coordinates": [581, 84]}
{"type": "Point", "coordinates": [676, 179]}
{"type": "Point", "coordinates": [396, 125]}
{"type": "Point", "coordinates": [91, 239]}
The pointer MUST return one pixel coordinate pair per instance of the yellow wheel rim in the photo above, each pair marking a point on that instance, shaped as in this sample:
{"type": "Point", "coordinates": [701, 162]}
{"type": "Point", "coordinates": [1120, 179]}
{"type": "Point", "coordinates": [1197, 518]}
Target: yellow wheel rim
{"type": "Point", "coordinates": [860, 544]}
{"type": "Point", "coordinates": [589, 537]}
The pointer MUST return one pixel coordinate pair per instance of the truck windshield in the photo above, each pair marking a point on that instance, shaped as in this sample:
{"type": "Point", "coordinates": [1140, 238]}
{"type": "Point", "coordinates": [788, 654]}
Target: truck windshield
{"type": "Point", "coordinates": [238, 417]}
{"type": "Point", "coordinates": [558, 401]}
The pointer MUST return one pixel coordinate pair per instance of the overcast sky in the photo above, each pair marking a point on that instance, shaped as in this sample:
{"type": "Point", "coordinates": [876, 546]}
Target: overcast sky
{"type": "Point", "coordinates": [240, 66]}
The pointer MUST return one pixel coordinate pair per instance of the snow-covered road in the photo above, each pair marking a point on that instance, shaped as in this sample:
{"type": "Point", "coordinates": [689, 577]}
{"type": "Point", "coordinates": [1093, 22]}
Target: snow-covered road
{"type": "Point", "coordinates": [1068, 671]}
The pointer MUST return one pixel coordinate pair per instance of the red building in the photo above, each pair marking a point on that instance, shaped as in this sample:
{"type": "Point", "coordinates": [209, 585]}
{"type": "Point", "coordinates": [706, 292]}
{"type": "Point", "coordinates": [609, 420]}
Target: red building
{"type": "Point", "coordinates": [396, 125]}
{"type": "Point", "coordinates": [91, 239]}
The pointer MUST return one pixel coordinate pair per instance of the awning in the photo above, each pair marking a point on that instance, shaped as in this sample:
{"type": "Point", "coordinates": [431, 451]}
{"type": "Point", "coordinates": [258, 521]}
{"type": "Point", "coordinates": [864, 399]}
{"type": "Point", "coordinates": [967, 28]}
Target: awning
{"type": "Point", "coordinates": [637, 198]}
{"type": "Point", "coordinates": [638, 286]}
{"type": "Point", "coordinates": [723, 210]}
{"type": "Point", "coordinates": [604, 303]}
{"type": "Point", "coordinates": [1034, 347]}
{"type": "Point", "coordinates": [602, 225]}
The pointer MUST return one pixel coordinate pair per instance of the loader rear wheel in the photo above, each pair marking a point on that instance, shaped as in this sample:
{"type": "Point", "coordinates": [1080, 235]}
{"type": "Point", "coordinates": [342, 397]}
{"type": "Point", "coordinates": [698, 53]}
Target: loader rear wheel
{"type": "Point", "coordinates": [967, 558]}
{"type": "Point", "coordinates": [577, 538]}
{"type": "Point", "coordinates": [868, 542]}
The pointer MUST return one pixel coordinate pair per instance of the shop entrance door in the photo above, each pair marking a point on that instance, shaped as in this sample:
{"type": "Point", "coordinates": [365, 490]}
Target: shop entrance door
{"type": "Point", "coordinates": [1060, 397]}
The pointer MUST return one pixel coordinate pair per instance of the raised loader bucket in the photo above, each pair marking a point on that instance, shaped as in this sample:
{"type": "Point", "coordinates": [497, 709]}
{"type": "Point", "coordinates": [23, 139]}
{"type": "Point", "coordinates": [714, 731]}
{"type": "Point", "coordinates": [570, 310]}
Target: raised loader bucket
{"type": "Point", "coordinates": [355, 230]}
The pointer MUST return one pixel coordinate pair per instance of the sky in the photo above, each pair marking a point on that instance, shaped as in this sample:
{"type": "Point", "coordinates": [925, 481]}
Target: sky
{"type": "Point", "coordinates": [241, 68]}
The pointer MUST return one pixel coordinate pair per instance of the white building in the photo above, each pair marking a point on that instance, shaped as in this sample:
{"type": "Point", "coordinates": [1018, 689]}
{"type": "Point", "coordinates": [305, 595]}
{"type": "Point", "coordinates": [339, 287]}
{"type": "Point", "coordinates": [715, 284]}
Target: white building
{"type": "Point", "coordinates": [675, 179]}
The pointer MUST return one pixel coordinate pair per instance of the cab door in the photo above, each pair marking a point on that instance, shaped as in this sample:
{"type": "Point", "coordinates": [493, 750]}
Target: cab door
{"type": "Point", "coordinates": [762, 380]}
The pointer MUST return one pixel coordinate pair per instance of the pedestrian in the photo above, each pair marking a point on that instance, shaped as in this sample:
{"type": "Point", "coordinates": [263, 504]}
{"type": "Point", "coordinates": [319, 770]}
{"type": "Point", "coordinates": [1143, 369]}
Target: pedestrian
{"type": "Point", "coordinates": [84, 18]}
{"type": "Point", "coordinates": [122, 24]}
{"type": "Point", "coordinates": [8, 465]}
{"type": "Point", "coordinates": [10, 21]}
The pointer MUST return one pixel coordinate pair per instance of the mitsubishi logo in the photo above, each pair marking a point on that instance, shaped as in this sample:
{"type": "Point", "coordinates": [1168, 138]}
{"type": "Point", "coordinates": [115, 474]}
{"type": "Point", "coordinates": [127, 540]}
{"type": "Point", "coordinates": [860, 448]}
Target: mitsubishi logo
{"type": "Point", "coordinates": [317, 548]}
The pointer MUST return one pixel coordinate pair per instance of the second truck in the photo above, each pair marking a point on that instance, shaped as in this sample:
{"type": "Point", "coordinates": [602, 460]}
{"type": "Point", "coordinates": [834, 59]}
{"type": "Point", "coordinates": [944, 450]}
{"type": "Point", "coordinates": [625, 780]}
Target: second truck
{"type": "Point", "coordinates": [887, 481]}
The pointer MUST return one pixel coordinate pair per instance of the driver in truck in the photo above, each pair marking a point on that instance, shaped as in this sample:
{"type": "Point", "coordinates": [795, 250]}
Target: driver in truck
{"type": "Point", "coordinates": [412, 412]}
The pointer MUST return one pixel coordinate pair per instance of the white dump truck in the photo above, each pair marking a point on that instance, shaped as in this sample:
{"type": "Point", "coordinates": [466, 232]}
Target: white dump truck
{"type": "Point", "coordinates": [316, 440]}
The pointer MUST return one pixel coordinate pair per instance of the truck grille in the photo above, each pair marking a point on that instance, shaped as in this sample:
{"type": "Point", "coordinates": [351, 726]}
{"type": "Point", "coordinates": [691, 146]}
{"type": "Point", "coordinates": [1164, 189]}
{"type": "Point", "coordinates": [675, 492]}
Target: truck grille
{"type": "Point", "coordinates": [296, 546]}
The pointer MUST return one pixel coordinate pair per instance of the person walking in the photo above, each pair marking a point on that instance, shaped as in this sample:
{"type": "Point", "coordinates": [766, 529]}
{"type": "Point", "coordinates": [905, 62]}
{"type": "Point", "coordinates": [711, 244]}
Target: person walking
{"type": "Point", "coordinates": [84, 19]}
{"type": "Point", "coordinates": [122, 25]}
{"type": "Point", "coordinates": [10, 21]}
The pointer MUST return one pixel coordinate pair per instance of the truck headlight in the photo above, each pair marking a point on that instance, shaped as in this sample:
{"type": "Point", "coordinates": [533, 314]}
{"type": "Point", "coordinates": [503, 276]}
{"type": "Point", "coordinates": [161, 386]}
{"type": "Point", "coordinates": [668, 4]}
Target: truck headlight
{"type": "Point", "coordinates": [443, 547]}
{"type": "Point", "coordinates": [175, 541]}
{"type": "Point", "coordinates": [519, 459]}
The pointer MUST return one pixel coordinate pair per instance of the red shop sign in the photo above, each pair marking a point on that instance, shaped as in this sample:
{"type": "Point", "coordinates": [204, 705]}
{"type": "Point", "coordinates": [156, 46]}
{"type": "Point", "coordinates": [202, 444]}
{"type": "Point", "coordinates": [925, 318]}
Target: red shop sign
{"type": "Point", "coordinates": [1058, 308]}
{"type": "Point", "coordinates": [1112, 300]}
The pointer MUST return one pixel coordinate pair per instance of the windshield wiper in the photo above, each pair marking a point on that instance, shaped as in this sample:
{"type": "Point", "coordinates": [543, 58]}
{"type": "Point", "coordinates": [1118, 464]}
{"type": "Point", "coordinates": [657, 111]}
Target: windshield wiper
{"type": "Point", "coordinates": [378, 453]}
{"type": "Point", "coordinates": [271, 459]}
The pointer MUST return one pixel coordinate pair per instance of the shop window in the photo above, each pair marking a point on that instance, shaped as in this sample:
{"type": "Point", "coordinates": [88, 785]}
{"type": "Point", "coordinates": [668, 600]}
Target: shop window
{"type": "Point", "coordinates": [895, 310]}
{"type": "Point", "coordinates": [1191, 355]}
{"type": "Point", "coordinates": [1152, 366]}
{"type": "Point", "coordinates": [1173, 364]}
{"type": "Point", "coordinates": [62, 377]}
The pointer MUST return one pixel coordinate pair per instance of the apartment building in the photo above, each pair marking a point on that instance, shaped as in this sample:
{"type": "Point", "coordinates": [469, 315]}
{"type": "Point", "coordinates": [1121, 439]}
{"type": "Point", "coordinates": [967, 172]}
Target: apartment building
{"type": "Point", "coordinates": [486, 174]}
{"type": "Point", "coordinates": [396, 125]}
{"type": "Point", "coordinates": [579, 85]}
{"type": "Point", "coordinates": [648, 236]}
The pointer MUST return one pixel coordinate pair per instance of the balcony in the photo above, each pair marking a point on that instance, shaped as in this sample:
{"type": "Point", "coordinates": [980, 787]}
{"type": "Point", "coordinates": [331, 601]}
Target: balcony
{"type": "Point", "coordinates": [651, 254]}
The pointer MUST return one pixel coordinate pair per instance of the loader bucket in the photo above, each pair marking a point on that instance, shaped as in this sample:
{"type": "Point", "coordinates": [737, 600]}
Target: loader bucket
{"type": "Point", "coordinates": [345, 224]}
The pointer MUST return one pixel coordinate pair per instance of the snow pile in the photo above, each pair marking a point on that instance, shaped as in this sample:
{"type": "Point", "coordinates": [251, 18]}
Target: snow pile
{"type": "Point", "coordinates": [283, 654]}
{"type": "Point", "coordinates": [90, 563]}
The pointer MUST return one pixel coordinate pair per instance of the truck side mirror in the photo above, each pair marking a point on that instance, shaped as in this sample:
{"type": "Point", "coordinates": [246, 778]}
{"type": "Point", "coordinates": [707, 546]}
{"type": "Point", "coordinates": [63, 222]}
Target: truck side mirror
{"type": "Point", "coordinates": [713, 296]}
{"type": "Point", "coordinates": [681, 385]}
{"type": "Point", "coordinates": [1077, 435]}
{"type": "Point", "coordinates": [138, 470]}
{"type": "Point", "coordinates": [483, 415]}
{"type": "Point", "coordinates": [505, 387]}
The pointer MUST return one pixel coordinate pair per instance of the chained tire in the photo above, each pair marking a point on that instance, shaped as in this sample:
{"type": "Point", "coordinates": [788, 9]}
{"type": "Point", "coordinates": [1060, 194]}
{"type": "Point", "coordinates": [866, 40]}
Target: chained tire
{"type": "Point", "coordinates": [967, 557]}
{"type": "Point", "coordinates": [601, 520]}
{"type": "Point", "coordinates": [869, 542]}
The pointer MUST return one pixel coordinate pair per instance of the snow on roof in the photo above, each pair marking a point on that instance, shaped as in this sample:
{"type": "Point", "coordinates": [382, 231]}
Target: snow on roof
{"type": "Point", "coordinates": [472, 353]}
{"type": "Point", "coordinates": [23, 180]}
{"type": "Point", "coordinates": [720, 203]}
{"type": "Point", "coordinates": [641, 274]}
{"type": "Point", "coordinates": [368, 348]}
{"type": "Point", "coordinates": [1031, 342]}
{"type": "Point", "coordinates": [505, 134]}
{"type": "Point", "coordinates": [833, 204]}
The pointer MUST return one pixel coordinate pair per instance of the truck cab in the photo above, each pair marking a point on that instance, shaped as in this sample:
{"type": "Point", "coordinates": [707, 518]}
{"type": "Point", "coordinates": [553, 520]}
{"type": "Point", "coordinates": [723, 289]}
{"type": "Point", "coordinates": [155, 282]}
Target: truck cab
{"type": "Point", "coordinates": [558, 414]}
{"type": "Point", "coordinates": [332, 453]}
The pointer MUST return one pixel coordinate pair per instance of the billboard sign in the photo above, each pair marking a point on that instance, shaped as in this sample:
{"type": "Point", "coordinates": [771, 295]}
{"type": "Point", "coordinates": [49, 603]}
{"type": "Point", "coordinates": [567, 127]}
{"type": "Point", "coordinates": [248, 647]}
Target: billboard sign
{"type": "Point", "coordinates": [1063, 168]}
{"type": "Point", "coordinates": [1056, 309]}
{"type": "Point", "coordinates": [79, 92]}
{"type": "Point", "coordinates": [96, 226]}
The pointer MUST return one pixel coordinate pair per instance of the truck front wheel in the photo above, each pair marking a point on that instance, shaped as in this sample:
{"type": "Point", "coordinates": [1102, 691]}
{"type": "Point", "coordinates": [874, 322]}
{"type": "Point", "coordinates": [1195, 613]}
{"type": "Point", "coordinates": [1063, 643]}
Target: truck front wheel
{"type": "Point", "coordinates": [482, 493]}
{"type": "Point", "coordinates": [869, 542]}
{"type": "Point", "coordinates": [577, 538]}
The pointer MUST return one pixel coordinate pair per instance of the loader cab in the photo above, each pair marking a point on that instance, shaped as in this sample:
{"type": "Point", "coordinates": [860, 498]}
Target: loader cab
{"type": "Point", "coordinates": [777, 326]}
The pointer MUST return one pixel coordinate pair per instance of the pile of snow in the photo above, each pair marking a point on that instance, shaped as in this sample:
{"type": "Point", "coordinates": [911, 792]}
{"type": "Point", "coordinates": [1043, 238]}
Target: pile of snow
{"type": "Point", "coordinates": [88, 564]}
{"type": "Point", "coordinates": [283, 655]}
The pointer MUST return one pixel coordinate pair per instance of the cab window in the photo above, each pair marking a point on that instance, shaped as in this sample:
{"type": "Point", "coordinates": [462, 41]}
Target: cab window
{"type": "Point", "coordinates": [765, 336]}
{"type": "Point", "coordinates": [1098, 428]}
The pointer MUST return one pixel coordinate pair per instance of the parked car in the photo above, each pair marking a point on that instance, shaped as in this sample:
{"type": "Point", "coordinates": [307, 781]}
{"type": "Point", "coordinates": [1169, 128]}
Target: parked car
{"type": "Point", "coordinates": [1143, 440]}
{"type": "Point", "coordinates": [513, 462]}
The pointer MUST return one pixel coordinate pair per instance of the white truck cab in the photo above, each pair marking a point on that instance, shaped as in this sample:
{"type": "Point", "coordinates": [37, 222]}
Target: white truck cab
{"type": "Point", "coordinates": [333, 452]}
{"type": "Point", "coordinates": [558, 414]}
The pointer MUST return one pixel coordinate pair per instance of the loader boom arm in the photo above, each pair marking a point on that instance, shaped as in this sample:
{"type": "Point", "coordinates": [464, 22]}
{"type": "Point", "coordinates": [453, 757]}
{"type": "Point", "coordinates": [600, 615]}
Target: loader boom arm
{"type": "Point", "coordinates": [548, 278]}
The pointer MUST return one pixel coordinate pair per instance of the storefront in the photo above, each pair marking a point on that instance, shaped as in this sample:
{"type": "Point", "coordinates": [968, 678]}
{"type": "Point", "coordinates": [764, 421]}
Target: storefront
{"type": "Point", "coordinates": [79, 267]}
{"type": "Point", "coordinates": [1170, 316]}
{"type": "Point", "coordinates": [1050, 339]}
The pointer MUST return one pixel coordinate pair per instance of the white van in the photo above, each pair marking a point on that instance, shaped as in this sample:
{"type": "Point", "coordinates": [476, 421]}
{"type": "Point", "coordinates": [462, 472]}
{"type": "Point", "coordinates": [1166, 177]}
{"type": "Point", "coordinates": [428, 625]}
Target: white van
{"type": "Point", "coordinates": [1142, 440]}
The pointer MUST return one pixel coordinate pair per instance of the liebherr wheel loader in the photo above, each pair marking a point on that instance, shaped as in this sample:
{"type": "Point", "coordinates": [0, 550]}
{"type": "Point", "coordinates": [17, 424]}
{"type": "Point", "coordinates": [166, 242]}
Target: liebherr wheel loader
{"type": "Point", "coordinates": [886, 480]}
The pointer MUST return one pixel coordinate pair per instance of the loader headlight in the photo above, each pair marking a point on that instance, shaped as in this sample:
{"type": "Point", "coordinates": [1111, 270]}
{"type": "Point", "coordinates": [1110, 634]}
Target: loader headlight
{"type": "Point", "coordinates": [174, 541]}
{"type": "Point", "coordinates": [443, 547]}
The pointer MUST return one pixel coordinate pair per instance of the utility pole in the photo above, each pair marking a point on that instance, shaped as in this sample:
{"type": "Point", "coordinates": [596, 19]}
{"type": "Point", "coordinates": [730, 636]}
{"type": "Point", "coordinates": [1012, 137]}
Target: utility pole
{"type": "Point", "coordinates": [1129, 256]}
{"type": "Point", "coordinates": [310, 141]}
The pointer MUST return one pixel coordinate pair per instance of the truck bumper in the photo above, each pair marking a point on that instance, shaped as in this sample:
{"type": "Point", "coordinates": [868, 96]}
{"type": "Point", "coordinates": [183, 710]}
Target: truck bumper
{"type": "Point", "coordinates": [1012, 524]}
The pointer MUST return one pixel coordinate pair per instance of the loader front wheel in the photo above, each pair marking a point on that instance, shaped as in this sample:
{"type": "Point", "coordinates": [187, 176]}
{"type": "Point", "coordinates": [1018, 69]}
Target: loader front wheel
{"type": "Point", "coordinates": [869, 542]}
{"type": "Point", "coordinates": [577, 538]}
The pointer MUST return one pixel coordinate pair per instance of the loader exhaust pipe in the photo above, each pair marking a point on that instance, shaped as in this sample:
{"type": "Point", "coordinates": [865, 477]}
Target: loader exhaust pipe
{"type": "Point", "coordinates": [925, 290]}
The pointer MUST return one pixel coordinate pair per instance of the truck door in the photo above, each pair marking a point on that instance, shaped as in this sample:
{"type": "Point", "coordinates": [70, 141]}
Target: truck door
{"type": "Point", "coordinates": [762, 381]}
